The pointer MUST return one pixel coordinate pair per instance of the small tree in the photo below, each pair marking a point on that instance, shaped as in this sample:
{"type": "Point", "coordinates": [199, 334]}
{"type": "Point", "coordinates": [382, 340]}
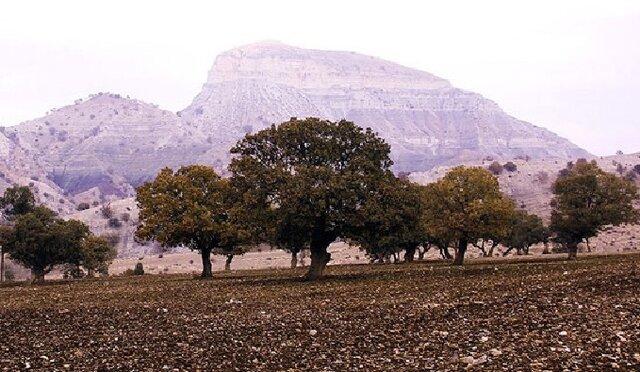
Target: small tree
{"type": "Point", "coordinates": [97, 255]}
{"type": "Point", "coordinates": [16, 201]}
{"type": "Point", "coordinates": [188, 208]}
{"type": "Point", "coordinates": [525, 231]}
{"type": "Point", "coordinates": [496, 168]}
{"type": "Point", "coordinates": [40, 241]}
{"type": "Point", "coordinates": [510, 166]}
{"type": "Point", "coordinates": [390, 222]}
{"type": "Point", "coordinates": [83, 206]}
{"type": "Point", "coordinates": [586, 200]}
{"type": "Point", "coordinates": [464, 207]}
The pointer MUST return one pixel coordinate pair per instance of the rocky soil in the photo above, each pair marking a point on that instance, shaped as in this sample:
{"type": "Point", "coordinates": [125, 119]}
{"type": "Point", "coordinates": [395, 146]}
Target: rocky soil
{"type": "Point", "coordinates": [540, 315]}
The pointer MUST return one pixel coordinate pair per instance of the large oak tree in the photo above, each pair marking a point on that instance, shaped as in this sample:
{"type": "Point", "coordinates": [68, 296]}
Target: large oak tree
{"type": "Point", "coordinates": [309, 177]}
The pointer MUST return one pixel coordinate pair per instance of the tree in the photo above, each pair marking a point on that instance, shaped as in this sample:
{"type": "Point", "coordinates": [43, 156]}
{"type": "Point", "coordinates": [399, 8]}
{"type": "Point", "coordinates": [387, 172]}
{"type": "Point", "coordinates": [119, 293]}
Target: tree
{"type": "Point", "coordinates": [5, 233]}
{"type": "Point", "coordinates": [40, 241]}
{"type": "Point", "coordinates": [96, 255]}
{"type": "Point", "coordinates": [587, 199]}
{"type": "Point", "coordinates": [16, 201]}
{"type": "Point", "coordinates": [525, 231]}
{"type": "Point", "coordinates": [464, 207]}
{"type": "Point", "coordinates": [495, 225]}
{"type": "Point", "coordinates": [510, 166]}
{"type": "Point", "coordinates": [495, 168]}
{"type": "Point", "coordinates": [308, 176]}
{"type": "Point", "coordinates": [390, 222]}
{"type": "Point", "coordinates": [187, 208]}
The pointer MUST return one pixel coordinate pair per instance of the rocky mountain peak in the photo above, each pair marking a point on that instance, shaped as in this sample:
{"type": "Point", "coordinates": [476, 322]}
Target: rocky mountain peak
{"type": "Point", "coordinates": [316, 69]}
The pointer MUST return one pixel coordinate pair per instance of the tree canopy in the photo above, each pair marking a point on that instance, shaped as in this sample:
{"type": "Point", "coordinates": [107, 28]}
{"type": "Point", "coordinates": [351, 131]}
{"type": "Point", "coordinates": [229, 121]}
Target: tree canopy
{"type": "Point", "coordinates": [308, 177]}
{"type": "Point", "coordinates": [587, 199]}
{"type": "Point", "coordinates": [391, 220]}
{"type": "Point", "coordinates": [17, 200]}
{"type": "Point", "coordinates": [464, 207]}
{"type": "Point", "coordinates": [189, 208]}
{"type": "Point", "coordinates": [525, 230]}
{"type": "Point", "coordinates": [40, 241]}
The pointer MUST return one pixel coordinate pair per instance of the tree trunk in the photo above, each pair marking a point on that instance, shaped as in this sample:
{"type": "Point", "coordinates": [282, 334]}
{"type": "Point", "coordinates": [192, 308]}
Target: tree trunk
{"type": "Point", "coordinates": [90, 273]}
{"type": "Point", "coordinates": [572, 249]}
{"type": "Point", "coordinates": [319, 255]}
{"type": "Point", "coordinates": [1, 264]}
{"type": "Point", "coordinates": [507, 251]}
{"type": "Point", "coordinates": [462, 249]}
{"type": "Point", "coordinates": [294, 260]}
{"type": "Point", "coordinates": [445, 252]}
{"type": "Point", "coordinates": [37, 275]}
{"type": "Point", "coordinates": [546, 248]}
{"type": "Point", "coordinates": [493, 246]}
{"type": "Point", "coordinates": [227, 263]}
{"type": "Point", "coordinates": [588, 246]}
{"type": "Point", "coordinates": [484, 251]}
{"type": "Point", "coordinates": [409, 253]}
{"type": "Point", "coordinates": [206, 263]}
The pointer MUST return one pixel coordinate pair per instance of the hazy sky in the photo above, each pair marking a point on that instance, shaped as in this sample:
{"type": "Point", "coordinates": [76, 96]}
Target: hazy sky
{"type": "Point", "coordinates": [570, 66]}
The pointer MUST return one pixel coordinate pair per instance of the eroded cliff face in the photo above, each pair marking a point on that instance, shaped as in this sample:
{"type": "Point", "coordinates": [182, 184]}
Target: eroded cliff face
{"type": "Point", "coordinates": [426, 120]}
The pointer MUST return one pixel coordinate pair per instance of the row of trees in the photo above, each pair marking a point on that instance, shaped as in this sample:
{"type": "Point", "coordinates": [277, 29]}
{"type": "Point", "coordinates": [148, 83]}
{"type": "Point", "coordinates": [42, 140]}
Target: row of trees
{"type": "Point", "coordinates": [38, 239]}
{"type": "Point", "coordinates": [305, 183]}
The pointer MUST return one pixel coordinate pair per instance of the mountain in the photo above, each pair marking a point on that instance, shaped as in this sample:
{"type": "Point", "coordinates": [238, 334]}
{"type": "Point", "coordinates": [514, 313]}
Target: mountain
{"type": "Point", "coordinates": [100, 148]}
{"type": "Point", "coordinates": [109, 142]}
{"type": "Point", "coordinates": [427, 121]}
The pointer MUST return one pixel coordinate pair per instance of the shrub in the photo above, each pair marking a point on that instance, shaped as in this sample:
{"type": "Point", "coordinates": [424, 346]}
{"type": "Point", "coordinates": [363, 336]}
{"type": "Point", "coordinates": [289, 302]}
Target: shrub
{"type": "Point", "coordinates": [106, 211]}
{"type": "Point", "coordinates": [95, 203]}
{"type": "Point", "coordinates": [125, 217]}
{"type": "Point", "coordinates": [637, 168]}
{"type": "Point", "coordinates": [510, 167]}
{"type": "Point", "coordinates": [83, 206]}
{"type": "Point", "coordinates": [139, 269]}
{"type": "Point", "coordinates": [35, 178]}
{"type": "Point", "coordinates": [114, 223]}
{"type": "Point", "coordinates": [542, 177]}
{"type": "Point", "coordinates": [112, 239]}
{"type": "Point", "coordinates": [63, 136]}
{"type": "Point", "coordinates": [495, 168]}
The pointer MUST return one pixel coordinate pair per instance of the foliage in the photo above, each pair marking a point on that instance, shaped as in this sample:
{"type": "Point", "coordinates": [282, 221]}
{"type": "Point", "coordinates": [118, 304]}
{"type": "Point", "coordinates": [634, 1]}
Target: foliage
{"type": "Point", "coordinates": [466, 206]}
{"type": "Point", "coordinates": [510, 166]}
{"type": "Point", "coordinates": [390, 220]}
{"type": "Point", "coordinates": [97, 254]}
{"type": "Point", "coordinates": [495, 168]}
{"type": "Point", "coordinates": [17, 200]}
{"type": "Point", "coordinates": [586, 200]}
{"type": "Point", "coordinates": [40, 241]}
{"type": "Point", "coordinates": [525, 231]}
{"type": "Point", "coordinates": [83, 206]}
{"type": "Point", "coordinates": [301, 183]}
{"type": "Point", "coordinates": [106, 211]}
{"type": "Point", "coordinates": [114, 223]}
{"type": "Point", "coordinates": [189, 208]}
{"type": "Point", "coordinates": [139, 269]}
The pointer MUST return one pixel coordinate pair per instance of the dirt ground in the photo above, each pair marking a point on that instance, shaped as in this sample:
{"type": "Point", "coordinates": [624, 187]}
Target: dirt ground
{"type": "Point", "coordinates": [543, 314]}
